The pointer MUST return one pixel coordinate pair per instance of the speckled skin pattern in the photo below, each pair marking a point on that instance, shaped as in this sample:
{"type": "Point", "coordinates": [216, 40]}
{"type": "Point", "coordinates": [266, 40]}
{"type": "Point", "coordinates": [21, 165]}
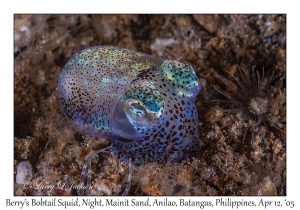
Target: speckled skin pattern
{"type": "Point", "coordinates": [143, 104]}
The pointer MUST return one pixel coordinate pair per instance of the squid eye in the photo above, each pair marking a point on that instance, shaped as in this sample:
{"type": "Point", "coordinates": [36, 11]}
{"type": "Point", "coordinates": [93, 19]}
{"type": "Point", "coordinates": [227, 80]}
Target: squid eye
{"type": "Point", "coordinates": [136, 110]}
{"type": "Point", "coordinates": [137, 113]}
{"type": "Point", "coordinates": [142, 105]}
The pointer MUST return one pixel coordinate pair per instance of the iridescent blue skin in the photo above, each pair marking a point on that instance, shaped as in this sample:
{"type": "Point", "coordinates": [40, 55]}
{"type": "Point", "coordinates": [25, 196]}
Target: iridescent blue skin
{"type": "Point", "coordinates": [143, 104]}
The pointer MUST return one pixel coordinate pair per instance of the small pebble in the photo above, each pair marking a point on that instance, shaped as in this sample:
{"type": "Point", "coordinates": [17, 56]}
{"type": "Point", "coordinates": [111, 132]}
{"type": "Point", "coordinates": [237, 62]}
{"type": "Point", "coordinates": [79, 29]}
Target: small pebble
{"type": "Point", "coordinates": [24, 173]}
